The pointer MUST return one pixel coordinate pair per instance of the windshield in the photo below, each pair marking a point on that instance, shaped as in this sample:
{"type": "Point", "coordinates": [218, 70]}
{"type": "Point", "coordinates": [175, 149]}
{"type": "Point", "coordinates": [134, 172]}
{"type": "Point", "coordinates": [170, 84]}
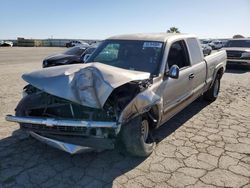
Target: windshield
{"type": "Point", "coordinates": [75, 51]}
{"type": "Point", "coordinates": [238, 43]}
{"type": "Point", "coordinates": [132, 55]}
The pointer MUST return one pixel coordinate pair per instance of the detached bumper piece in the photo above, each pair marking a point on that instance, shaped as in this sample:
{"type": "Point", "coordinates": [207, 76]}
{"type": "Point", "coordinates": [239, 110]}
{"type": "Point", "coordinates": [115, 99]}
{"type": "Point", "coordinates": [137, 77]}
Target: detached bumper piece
{"type": "Point", "coordinates": [67, 147]}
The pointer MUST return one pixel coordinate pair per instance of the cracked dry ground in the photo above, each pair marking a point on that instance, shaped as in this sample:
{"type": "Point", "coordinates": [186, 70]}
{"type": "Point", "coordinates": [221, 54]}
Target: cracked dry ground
{"type": "Point", "coordinates": [206, 145]}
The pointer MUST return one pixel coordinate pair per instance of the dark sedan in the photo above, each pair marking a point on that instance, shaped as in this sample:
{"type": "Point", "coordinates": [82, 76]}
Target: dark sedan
{"type": "Point", "coordinates": [71, 56]}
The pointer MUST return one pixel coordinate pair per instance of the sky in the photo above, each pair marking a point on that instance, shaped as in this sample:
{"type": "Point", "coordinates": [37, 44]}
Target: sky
{"type": "Point", "coordinates": [99, 19]}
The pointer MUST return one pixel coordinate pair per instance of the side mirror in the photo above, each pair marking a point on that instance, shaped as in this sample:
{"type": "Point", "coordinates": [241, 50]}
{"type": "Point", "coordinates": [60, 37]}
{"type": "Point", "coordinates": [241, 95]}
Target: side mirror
{"type": "Point", "coordinates": [85, 58]}
{"type": "Point", "coordinates": [174, 72]}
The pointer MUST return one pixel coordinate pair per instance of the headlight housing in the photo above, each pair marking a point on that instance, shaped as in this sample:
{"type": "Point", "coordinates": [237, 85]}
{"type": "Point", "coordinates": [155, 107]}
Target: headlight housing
{"type": "Point", "coordinates": [45, 64]}
{"type": "Point", "coordinates": [24, 94]}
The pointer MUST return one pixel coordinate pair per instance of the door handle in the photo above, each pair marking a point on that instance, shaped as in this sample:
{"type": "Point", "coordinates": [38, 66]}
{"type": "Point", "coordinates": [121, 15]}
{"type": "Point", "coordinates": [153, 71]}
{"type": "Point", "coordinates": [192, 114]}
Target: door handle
{"type": "Point", "coordinates": [191, 76]}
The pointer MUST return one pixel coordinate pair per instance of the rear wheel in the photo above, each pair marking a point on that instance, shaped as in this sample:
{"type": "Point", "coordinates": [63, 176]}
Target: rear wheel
{"type": "Point", "coordinates": [212, 94]}
{"type": "Point", "coordinates": [135, 136]}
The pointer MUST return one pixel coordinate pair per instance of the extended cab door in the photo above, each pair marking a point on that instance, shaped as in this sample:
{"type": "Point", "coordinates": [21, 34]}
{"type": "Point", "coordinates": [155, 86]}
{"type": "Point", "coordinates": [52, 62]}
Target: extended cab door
{"type": "Point", "coordinates": [198, 64]}
{"type": "Point", "coordinates": [177, 91]}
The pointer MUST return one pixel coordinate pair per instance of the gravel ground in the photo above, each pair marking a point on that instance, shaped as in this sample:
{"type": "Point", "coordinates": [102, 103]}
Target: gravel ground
{"type": "Point", "coordinates": [206, 145]}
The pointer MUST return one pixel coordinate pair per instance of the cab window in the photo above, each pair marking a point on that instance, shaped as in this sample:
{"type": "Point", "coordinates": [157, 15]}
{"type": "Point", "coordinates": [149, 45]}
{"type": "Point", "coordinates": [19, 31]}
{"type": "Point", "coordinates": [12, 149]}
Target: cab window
{"type": "Point", "coordinates": [178, 55]}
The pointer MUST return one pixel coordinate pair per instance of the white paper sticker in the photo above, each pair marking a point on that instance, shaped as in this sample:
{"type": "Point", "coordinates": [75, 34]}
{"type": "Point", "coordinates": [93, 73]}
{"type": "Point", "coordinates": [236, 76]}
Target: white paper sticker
{"type": "Point", "coordinates": [152, 45]}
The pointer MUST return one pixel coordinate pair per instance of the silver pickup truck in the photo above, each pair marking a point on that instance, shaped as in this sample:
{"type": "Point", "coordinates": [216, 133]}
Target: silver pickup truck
{"type": "Point", "coordinates": [129, 86]}
{"type": "Point", "coordinates": [238, 52]}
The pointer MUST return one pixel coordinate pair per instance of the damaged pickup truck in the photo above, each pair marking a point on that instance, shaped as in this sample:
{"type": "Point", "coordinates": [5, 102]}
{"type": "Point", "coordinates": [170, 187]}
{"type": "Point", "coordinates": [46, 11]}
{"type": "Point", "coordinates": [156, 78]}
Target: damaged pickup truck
{"type": "Point", "coordinates": [129, 86]}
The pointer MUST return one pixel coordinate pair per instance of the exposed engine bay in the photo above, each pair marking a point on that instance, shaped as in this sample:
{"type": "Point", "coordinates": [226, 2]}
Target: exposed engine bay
{"type": "Point", "coordinates": [42, 104]}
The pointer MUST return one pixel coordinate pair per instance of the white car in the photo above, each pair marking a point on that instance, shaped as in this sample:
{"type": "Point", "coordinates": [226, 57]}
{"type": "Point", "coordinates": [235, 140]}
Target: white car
{"type": "Point", "coordinates": [76, 43]}
{"type": "Point", "coordinates": [6, 43]}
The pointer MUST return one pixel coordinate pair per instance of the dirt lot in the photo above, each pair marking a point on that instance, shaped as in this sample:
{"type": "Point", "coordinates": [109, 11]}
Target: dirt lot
{"type": "Point", "coordinates": [206, 145]}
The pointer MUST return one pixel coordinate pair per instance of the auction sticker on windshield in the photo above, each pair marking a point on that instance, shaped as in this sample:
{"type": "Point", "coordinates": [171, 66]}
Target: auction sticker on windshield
{"type": "Point", "coordinates": [152, 45]}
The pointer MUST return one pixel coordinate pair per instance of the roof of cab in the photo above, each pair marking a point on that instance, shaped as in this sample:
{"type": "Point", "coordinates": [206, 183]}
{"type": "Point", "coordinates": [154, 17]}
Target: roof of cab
{"type": "Point", "coordinates": [160, 37]}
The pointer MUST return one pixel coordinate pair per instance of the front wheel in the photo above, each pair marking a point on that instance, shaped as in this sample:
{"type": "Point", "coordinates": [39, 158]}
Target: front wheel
{"type": "Point", "coordinates": [212, 93]}
{"type": "Point", "coordinates": [135, 137]}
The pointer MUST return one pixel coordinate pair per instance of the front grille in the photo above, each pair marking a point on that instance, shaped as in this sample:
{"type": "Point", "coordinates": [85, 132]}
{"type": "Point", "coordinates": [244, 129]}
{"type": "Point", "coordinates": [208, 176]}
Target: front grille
{"type": "Point", "coordinates": [238, 63]}
{"type": "Point", "coordinates": [234, 54]}
{"type": "Point", "coordinates": [63, 130]}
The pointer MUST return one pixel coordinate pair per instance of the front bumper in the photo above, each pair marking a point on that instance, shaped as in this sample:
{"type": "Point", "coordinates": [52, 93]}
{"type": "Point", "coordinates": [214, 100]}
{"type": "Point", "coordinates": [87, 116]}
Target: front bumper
{"type": "Point", "coordinates": [67, 142]}
{"type": "Point", "coordinates": [61, 122]}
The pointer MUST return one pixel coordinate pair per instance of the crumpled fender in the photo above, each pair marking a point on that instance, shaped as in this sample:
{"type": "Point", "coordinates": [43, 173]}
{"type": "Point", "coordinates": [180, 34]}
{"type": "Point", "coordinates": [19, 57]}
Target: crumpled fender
{"type": "Point", "coordinates": [87, 84]}
{"type": "Point", "coordinates": [140, 104]}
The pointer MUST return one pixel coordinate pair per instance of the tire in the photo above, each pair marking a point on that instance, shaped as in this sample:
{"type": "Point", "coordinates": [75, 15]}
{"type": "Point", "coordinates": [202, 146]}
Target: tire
{"type": "Point", "coordinates": [212, 93]}
{"type": "Point", "coordinates": [135, 140]}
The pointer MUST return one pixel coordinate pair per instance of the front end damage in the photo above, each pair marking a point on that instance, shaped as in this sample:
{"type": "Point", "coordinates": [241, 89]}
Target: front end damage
{"type": "Point", "coordinates": [77, 108]}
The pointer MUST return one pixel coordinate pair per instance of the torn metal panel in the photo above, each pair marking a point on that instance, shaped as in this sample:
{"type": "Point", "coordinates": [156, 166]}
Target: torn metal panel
{"type": "Point", "coordinates": [86, 84]}
{"type": "Point", "coordinates": [140, 104]}
{"type": "Point", "coordinates": [67, 147]}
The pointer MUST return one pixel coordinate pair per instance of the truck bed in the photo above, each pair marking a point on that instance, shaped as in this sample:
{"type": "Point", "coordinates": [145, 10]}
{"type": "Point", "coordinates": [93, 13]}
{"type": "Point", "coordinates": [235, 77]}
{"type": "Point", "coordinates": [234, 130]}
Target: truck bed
{"type": "Point", "coordinates": [213, 62]}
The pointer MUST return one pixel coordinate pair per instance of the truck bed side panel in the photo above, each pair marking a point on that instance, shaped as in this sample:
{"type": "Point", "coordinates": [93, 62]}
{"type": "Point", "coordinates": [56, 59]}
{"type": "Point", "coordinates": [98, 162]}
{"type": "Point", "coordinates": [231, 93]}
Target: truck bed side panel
{"type": "Point", "coordinates": [215, 61]}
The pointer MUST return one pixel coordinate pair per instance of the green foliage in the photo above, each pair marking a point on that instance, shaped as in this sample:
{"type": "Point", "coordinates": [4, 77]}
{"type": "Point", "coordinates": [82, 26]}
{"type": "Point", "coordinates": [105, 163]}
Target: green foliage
{"type": "Point", "coordinates": [173, 30]}
{"type": "Point", "coordinates": [238, 36]}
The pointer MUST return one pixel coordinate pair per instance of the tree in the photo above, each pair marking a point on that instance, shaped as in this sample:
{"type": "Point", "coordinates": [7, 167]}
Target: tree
{"type": "Point", "coordinates": [238, 36]}
{"type": "Point", "coordinates": [173, 30]}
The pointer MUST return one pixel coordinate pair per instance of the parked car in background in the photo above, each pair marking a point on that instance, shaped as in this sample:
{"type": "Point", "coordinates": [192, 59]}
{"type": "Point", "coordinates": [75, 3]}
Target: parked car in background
{"type": "Point", "coordinates": [73, 55]}
{"type": "Point", "coordinates": [6, 43]}
{"type": "Point", "coordinates": [205, 41]}
{"type": "Point", "coordinates": [238, 52]}
{"type": "Point", "coordinates": [130, 85]}
{"type": "Point", "coordinates": [216, 44]}
{"type": "Point", "coordinates": [75, 43]}
{"type": "Point", "coordinates": [207, 50]}
{"type": "Point", "coordinates": [224, 42]}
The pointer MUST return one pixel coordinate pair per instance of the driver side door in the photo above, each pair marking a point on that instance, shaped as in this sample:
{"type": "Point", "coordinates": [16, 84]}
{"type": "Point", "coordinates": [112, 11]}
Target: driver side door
{"type": "Point", "coordinates": [176, 92]}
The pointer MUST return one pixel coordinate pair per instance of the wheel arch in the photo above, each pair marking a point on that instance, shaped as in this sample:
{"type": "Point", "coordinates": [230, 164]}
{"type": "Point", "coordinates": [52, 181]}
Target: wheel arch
{"type": "Point", "coordinates": [219, 71]}
{"type": "Point", "coordinates": [152, 113]}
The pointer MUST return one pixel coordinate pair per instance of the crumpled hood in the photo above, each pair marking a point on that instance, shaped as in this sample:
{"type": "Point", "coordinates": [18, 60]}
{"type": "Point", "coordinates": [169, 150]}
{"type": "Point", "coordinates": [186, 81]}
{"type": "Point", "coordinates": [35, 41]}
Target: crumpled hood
{"type": "Point", "coordinates": [87, 84]}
